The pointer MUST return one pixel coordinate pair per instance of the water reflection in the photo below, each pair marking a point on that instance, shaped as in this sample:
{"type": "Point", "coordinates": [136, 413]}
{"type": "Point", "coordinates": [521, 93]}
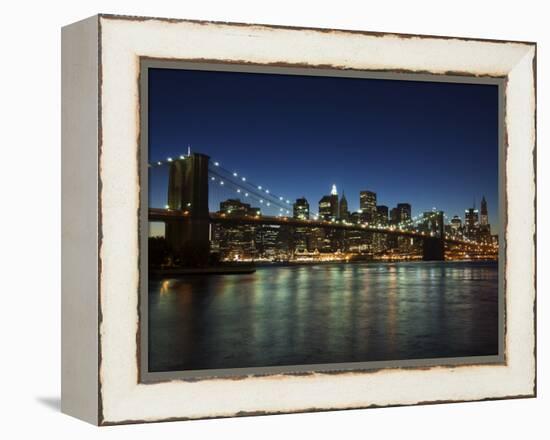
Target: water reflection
{"type": "Point", "coordinates": [324, 314]}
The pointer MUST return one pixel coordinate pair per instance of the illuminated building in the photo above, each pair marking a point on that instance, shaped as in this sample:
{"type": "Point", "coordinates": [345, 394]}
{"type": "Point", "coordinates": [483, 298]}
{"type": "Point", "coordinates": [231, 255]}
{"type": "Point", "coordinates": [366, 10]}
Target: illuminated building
{"type": "Point", "coordinates": [456, 226]}
{"type": "Point", "coordinates": [272, 241]}
{"type": "Point", "coordinates": [382, 214]}
{"type": "Point", "coordinates": [401, 213]}
{"type": "Point", "coordinates": [316, 237]}
{"type": "Point", "coordinates": [236, 208]}
{"type": "Point", "coordinates": [301, 209]}
{"type": "Point", "coordinates": [456, 223]}
{"type": "Point", "coordinates": [235, 241]}
{"type": "Point", "coordinates": [328, 206]}
{"type": "Point", "coordinates": [367, 204]}
{"type": "Point", "coordinates": [343, 209]}
{"type": "Point", "coordinates": [484, 218]}
{"type": "Point", "coordinates": [484, 226]}
{"type": "Point", "coordinates": [301, 233]}
{"type": "Point", "coordinates": [471, 223]}
{"type": "Point", "coordinates": [404, 210]}
{"type": "Point", "coordinates": [355, 217]}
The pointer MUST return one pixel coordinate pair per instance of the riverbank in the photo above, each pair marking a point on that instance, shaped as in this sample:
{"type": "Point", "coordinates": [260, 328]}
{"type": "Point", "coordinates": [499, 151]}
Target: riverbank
{"type": "Point", "coordinates": [213, 270]}
{"type": "Point", "coordinates": [248, 268]}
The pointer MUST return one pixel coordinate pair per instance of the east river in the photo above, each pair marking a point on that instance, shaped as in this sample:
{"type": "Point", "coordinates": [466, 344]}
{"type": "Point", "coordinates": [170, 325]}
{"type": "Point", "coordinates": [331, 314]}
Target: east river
{"type": "Point", "coordinates": [326, 313]}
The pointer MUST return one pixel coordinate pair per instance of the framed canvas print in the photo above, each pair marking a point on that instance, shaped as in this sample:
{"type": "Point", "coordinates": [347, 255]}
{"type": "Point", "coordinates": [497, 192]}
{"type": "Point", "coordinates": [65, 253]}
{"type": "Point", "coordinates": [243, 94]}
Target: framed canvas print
{"type": "Point", "coordinates": [262, 219]}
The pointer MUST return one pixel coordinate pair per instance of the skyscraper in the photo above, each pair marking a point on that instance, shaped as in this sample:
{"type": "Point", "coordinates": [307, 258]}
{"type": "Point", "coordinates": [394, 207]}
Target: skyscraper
{"type": "Point", "coordinates": [382, 214]}
{"type": "Point", "coordinates": [404, 212]}
{"type": "Point", "coordinates": [456, 226]}
{"type": "Point", "coordinates": [328, 206]}
{"type": "Point", "coordinates": [394, 215]}
{"type": "Point", "coordinates": [484, 226]}
{"type": "Point", "coordinates": [484, 218]}
{"type": "Point", "coordinates": [401, 213]}
{"type": "Point", "coordinates": [343, 209]}
{"type": "Point", "coordinates": [367, 204]}
{"type": "Point", "coordinates": [471, 223]}
{"type": "Point", "coordinates": [301, 209]}
{"type": "Point", "coordinates": [302, 235]}
{"type": "Point", "coordinates": [235, 241]}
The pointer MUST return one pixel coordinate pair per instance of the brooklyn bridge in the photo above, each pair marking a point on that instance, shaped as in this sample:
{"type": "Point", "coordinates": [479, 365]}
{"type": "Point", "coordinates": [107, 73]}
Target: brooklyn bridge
{"type": "Point", "coordinates": [188, 218]}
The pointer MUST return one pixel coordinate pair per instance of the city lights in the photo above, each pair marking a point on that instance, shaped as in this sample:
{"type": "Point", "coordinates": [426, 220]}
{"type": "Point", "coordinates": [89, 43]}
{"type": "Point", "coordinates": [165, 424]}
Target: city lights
{"type": "Point", "coordinates": [386, 228]}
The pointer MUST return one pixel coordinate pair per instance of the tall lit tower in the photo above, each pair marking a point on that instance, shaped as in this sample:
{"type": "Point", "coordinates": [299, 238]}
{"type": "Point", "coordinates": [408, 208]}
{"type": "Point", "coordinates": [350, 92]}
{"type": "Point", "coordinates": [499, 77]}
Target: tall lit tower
{"type": "Point", "coordinates": [343, 209]}
{"type": "Point", "coordinates": [328, 205]}
{"type": "Point", "coordinates": [484, 217]}
{"type": "Point", "coordinates": [484, 226]}
{"type": "Point", "coordinates": [367, 204]}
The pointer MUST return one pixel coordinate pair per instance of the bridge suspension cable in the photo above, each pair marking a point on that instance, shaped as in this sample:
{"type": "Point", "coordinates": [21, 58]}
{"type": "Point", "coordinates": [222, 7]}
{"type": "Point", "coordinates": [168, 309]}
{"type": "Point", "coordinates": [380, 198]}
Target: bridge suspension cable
{"type": "Point", "coordinates": [261, 190]}
{"type": "Point", "coordinates": [248, 193]}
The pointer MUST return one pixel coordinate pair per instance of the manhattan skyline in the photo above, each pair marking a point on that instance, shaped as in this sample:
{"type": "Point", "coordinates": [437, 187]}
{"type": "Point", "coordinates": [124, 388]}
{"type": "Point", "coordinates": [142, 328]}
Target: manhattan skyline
{"type": "Point", "coordinates": [424, 143]}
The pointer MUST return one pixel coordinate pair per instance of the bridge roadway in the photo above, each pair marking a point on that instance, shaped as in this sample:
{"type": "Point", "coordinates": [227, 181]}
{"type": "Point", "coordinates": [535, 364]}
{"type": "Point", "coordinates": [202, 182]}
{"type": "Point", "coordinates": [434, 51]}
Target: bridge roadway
{"type": "Point", "coordinates": [162, 215]}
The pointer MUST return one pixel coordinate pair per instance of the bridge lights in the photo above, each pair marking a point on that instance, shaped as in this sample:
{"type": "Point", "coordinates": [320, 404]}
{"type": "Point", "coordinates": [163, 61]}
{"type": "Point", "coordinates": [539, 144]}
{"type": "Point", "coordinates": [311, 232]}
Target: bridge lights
{"type": "Point", "coordinates": [267, 191]}
{"type": "Point", "coordinates": [260, 187]}
{"type": "Point", "coordinates": [268, 204]}
{"type": "Point", "coordinates": [280, 198]}
{"type": "Point", "coordinates": [169, 159]}
{"type": "Point", "coordinates": [234, 174]}
{"type": "Point", "coordinates": [166, 206]}
{"type": "Point", "coordinates": [182, 156]}
{"type": "Point", "coordinates": [221, 182]}
{"type": "Point", "coordinates": [159, 163]}
{"type": "Point", "coordinates": [212, 178]}
{"type": "Point", "coordinates": [261, 201]}
{"type": "Point", "coordinates": [288, 202]}
{"type": "Point", "coordinates": [243, 179]}
{"type": "Point", "coordinates": [217, 164]}
{"type": "Point", "coordinates": [246, 194]}
{"type": "Point", "coordinates": [238, 190]}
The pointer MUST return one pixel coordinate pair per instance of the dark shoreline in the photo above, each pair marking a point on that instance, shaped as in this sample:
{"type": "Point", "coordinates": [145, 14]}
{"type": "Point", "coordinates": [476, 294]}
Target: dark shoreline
{"type": "Point", "coordinates": [245, 269]}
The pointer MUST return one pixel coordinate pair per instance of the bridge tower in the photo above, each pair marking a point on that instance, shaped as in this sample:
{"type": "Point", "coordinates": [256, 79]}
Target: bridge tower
{"type": "Point", "coordinates": [433, 248]}
{"type": "Point", "coordinates": [188, 193]}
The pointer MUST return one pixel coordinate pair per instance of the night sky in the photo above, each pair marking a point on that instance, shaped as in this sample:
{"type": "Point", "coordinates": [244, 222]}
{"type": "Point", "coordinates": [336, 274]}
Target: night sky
{"type": "Point", "coordinates": [426, 143]}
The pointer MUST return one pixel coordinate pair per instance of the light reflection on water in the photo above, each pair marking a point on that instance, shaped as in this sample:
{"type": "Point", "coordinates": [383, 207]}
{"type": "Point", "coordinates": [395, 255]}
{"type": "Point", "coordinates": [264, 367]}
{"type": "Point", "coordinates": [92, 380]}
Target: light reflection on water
{"type": "Point", "coordinates": [324, 314]}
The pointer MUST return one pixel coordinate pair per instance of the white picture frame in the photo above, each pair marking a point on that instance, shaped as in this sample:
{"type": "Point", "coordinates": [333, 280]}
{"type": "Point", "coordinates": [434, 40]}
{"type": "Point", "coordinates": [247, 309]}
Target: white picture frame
{"type": "Point", "coordinates": [101, 380]}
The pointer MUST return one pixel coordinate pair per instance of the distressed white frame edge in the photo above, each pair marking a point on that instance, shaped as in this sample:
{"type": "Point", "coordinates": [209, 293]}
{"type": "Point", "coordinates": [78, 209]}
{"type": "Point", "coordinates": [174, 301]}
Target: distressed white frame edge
{"type": "Point", "coordinates": [122, 42]}
{"type": "Point", "coordinates": [79, 219]}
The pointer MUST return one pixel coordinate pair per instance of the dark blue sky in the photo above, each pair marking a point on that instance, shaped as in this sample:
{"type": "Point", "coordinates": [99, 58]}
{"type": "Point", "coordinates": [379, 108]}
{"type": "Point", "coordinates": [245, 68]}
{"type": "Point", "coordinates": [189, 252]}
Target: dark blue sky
{"type": "Point", "coordinates": [425, 143]}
